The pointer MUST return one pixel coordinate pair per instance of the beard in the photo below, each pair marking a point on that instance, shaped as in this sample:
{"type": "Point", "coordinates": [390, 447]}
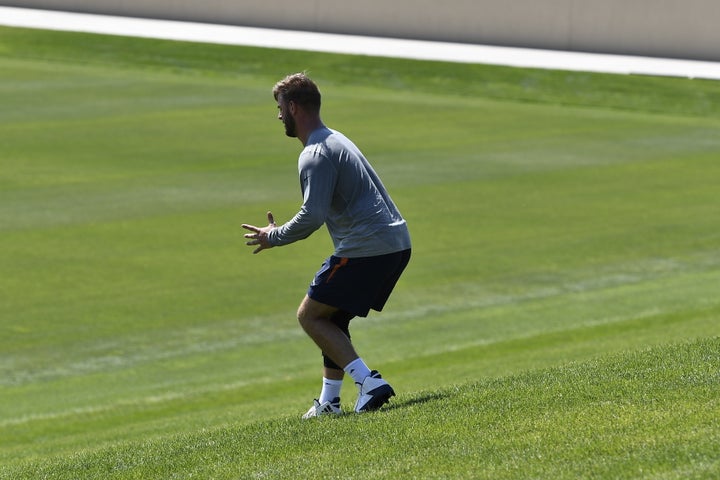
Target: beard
{"type": "Point", "coordinates": [290, 129]}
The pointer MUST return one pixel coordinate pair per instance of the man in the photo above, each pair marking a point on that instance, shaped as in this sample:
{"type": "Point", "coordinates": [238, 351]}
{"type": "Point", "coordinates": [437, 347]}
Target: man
{"type": "Point", "coordinates": [372, 243]}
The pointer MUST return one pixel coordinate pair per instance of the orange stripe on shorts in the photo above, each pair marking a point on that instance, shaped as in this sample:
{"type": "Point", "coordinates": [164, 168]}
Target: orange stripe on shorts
{"type": "Point", "coordinates": [343, 262]}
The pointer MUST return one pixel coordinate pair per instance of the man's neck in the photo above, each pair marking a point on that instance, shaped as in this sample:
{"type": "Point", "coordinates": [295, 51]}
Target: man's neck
{"type": "Point", "coordinates": [308, 129]}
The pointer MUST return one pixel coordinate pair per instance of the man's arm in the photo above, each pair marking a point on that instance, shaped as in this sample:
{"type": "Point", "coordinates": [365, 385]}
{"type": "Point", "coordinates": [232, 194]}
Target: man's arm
{"type": "Point", "coordinates": [317, 180]}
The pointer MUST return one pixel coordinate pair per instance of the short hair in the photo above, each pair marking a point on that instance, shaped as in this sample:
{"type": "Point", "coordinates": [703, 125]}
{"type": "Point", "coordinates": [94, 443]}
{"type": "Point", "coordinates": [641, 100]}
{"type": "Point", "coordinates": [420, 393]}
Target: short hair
{"type": "Point", "coordinates": [300, 89]}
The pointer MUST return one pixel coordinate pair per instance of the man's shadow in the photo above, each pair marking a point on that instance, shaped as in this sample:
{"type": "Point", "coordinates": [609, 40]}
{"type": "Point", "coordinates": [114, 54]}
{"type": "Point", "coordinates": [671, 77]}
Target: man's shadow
{"type": "Point", "coordinates": [417, 400]}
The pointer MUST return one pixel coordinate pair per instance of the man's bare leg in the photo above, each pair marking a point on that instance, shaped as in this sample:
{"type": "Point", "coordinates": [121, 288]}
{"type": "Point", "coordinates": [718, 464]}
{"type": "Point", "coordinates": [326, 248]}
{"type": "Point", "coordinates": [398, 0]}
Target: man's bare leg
{"type": "Point", "coordinates": [316, 319]}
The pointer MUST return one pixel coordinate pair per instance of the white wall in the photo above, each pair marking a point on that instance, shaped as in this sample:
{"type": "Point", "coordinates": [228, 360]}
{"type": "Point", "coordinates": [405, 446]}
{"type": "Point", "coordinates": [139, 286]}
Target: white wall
{"type": "Point", "coordinates": [666, 28]}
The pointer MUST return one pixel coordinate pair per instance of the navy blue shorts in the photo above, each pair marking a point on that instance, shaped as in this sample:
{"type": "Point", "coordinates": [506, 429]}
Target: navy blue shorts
{"type": "Point", "coordinates": [356, 285]}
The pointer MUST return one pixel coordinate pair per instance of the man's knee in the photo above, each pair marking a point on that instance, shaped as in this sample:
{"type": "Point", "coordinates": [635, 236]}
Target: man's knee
{"type": "Point", "coordinates": [310, 312]}
{"type": "Point", "coordinates": [304, 317]}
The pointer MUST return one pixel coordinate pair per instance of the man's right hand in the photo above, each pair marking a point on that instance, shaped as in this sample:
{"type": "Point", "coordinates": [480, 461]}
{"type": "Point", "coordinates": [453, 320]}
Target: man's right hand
{"type": "Point", "coordinates": [260, 235]}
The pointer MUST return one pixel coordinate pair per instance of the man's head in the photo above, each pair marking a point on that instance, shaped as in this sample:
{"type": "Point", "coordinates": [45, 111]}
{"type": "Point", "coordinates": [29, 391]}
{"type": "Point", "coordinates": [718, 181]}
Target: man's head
{"type": "Point", "coordinates": [293, 91]}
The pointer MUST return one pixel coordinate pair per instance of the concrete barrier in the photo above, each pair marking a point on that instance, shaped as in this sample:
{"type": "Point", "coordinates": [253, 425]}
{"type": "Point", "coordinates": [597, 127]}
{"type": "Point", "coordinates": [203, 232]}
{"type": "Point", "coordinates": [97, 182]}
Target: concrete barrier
{"type": "Point", "coordinates": [663, 28]}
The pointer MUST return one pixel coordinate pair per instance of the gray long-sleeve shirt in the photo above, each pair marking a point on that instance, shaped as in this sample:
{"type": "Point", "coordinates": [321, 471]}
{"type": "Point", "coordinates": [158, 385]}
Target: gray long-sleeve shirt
{"type": "Point", "coordinates": [341, 189]}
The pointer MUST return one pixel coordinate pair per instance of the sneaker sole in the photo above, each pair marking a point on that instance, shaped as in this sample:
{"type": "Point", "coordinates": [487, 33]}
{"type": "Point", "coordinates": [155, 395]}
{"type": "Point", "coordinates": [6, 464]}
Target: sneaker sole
{"type": "Point", "coordinates": [380, 396]}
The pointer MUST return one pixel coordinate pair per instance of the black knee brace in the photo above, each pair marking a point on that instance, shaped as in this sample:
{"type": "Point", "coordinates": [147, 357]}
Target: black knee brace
{"type": "Point", "coordinates": [342, 320]}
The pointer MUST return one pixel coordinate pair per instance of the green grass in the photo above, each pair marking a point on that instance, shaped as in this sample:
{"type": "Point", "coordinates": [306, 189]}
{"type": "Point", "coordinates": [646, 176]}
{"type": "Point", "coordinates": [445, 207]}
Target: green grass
{"type": "Point", "coordinates": [559, 318]}
{"type": "Point", "coordinates": [651, 414]}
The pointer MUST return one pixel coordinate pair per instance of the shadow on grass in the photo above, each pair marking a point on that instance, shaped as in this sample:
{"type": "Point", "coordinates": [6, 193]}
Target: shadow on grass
{"type": "Point", "coordinates": [417, 400]}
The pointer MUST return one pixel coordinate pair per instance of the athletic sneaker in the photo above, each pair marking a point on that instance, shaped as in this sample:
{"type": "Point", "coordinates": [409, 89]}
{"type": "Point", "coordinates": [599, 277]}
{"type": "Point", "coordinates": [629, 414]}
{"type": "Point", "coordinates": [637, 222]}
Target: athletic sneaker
{"type": "Point", "coordinates": [325, 408]}
{"type": "Point", "coordinates": [374, 393]}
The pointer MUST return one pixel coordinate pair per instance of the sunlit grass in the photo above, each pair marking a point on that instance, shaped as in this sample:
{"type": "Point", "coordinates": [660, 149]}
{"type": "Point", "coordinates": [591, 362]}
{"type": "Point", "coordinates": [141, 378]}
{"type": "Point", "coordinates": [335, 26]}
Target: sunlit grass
{"type": "Point", "coordinates": [556, 217]}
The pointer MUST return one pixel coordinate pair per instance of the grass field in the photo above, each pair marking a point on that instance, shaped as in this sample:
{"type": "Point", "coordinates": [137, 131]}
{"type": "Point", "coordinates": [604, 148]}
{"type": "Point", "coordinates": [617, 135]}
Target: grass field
{"type": "Point", "coordinates": [560, 317]}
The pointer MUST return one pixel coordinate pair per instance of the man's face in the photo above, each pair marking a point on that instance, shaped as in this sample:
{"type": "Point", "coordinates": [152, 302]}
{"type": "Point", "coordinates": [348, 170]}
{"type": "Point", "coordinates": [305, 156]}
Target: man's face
{"type": "Point", "coordinates": [286, 117]}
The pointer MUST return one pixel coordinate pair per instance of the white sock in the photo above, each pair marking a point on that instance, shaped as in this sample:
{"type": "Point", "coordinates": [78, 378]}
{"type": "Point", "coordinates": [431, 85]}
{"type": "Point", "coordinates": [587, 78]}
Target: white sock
{"type": "Point", "coordinates": [357, 370]}
{"type": "Point", "coordinates": [330, 390]}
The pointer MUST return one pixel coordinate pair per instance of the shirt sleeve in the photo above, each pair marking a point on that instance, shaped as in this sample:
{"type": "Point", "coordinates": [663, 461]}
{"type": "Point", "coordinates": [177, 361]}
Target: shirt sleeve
{"type": "Point", "coordinates": [317, 183]}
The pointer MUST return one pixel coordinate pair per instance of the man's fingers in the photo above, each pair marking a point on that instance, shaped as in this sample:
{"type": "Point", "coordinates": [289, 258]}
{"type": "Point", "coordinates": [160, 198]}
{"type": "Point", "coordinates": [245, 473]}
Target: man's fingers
{"type": "Point", "coordinates": [255, 237]}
